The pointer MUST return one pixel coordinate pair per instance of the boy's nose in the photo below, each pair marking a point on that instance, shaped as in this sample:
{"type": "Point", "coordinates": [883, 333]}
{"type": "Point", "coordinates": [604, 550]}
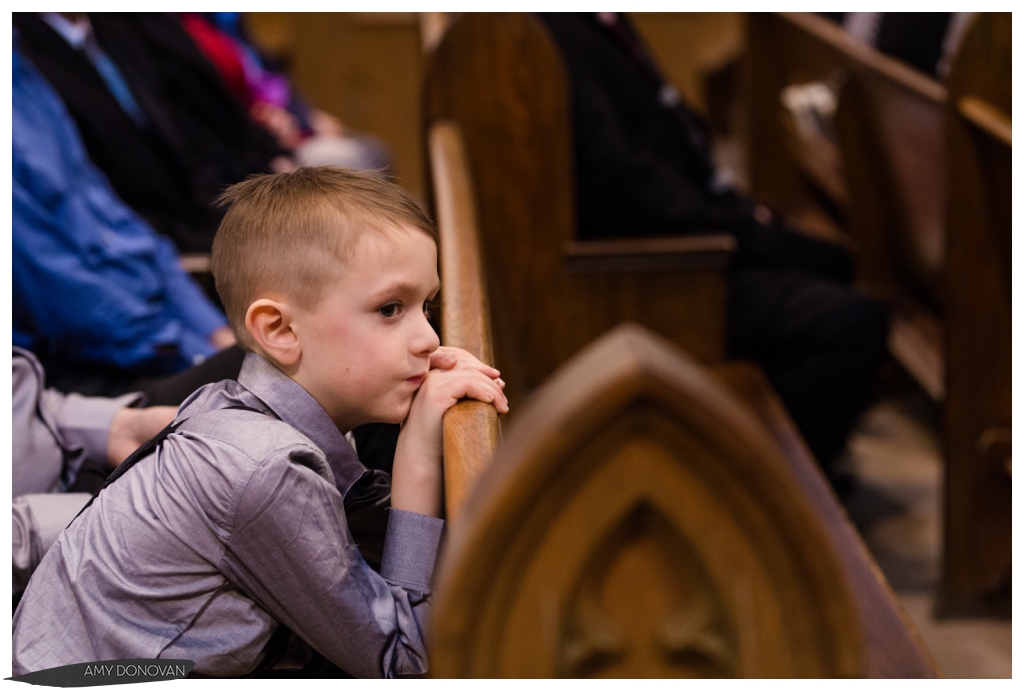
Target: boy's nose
{"type": "Point", "coordinates": [427, 340]}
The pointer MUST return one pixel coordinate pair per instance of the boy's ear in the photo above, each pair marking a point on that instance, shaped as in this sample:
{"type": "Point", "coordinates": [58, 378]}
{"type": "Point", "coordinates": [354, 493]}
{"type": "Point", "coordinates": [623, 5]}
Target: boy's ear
{"type": "Point", "coordinates": [269, 322]}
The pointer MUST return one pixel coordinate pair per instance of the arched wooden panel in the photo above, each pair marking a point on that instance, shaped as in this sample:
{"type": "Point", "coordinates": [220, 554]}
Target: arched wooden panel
{"type": "Point", "coordinates": [637, 521]}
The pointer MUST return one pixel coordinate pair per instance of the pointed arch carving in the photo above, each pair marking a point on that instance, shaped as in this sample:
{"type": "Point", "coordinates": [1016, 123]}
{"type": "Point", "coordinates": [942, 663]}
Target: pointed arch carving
{"type": "Point", "coordinates": [637, 521]}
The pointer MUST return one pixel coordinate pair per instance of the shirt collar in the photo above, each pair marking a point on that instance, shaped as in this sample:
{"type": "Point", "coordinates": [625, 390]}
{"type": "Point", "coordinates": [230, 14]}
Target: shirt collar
{"type": "Point", "coordinates": [294, 405]}
{"type": "Point", "coordinates": [75, 33]}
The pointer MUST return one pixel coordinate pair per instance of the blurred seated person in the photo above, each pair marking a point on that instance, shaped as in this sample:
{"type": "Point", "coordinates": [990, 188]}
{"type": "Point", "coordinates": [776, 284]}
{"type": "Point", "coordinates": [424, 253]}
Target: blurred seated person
{"type": "Point", "coordinates": [97, 294]}
{"type": "Point", "coordinates": [314, 137]}
{"type": "Point", "coordinates": [153, 113]}
{"type": "Point", "coordinates": [63, 447]}
{"type": "Point", "coordinates": [643, 168]}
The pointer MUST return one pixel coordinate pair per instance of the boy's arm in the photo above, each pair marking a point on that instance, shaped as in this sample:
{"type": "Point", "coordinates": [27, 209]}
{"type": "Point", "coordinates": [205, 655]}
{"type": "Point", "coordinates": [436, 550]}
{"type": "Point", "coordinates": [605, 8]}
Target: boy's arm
{"type": "Point", "coordinates": [290, 549]}
{"type": "Point", "coordinates": [454, 375]}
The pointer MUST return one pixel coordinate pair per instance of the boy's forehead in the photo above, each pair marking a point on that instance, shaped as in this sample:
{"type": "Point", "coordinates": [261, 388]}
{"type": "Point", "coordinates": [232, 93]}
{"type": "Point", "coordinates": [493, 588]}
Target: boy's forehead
{"type": "Point", "coordinates": [405, 258]}
{"type": "Point", "coordinates": [387, 239]}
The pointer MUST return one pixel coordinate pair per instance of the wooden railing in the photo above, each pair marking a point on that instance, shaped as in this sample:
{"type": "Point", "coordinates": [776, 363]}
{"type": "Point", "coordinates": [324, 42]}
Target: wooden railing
{"type": "Point", "coordinates": [471, 429]}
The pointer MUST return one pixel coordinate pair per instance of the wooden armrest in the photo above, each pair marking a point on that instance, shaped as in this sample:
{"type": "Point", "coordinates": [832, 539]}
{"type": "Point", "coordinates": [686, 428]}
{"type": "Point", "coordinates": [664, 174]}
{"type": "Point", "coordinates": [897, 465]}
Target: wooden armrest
{"type": "Point", "coordinates": [987, 118]}
{"type": "Point", "coordinates": [195, 263]}
{"type": "Point", "coordinates": [650, 254]}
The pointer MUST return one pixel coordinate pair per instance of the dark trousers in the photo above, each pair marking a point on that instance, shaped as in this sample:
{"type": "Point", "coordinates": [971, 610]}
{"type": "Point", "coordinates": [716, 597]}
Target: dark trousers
{"type": "Point", "coordinates": [792, 310]}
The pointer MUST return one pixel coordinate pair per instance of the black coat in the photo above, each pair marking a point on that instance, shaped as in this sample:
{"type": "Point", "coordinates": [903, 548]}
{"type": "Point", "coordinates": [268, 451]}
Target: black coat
{"type": "Point", "coordinates": [642, 168]}
{"type": "Point", "coordinates": [198, 141]}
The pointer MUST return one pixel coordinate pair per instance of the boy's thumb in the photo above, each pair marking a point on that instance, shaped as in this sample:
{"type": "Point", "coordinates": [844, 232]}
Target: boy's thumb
{"type": "Point", "coordinates": [444, 361]}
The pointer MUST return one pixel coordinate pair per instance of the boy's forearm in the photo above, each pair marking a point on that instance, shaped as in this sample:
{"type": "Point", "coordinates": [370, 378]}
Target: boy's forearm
{"type": "Point", "coordinates": [416, 476]}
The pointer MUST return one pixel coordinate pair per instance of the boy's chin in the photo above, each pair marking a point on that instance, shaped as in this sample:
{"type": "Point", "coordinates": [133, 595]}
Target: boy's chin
{"type": "Point", "coordinates": [397, 416]}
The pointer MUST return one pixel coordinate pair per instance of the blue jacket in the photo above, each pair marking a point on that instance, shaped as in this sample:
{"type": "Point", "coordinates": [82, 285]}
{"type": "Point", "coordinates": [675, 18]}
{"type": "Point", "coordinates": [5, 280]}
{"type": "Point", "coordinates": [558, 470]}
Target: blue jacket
{"type": "Point", "coordinates": [91, 280]}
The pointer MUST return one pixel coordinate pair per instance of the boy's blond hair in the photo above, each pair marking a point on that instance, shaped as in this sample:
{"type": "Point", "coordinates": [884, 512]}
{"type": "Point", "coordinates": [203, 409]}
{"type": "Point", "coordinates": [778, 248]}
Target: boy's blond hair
{"type": "Point", "coordinates": [288, 234]}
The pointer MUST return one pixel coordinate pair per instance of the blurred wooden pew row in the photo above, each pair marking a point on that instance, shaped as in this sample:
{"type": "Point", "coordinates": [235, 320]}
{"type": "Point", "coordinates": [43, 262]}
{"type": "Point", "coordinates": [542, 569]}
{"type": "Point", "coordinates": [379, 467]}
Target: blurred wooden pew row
{"type": "Point", "coordinates": [927, 197]}
{"type": "Point", "coordinates": [642, 515]}
{"type": "Point", "coordinates": [889, 172]}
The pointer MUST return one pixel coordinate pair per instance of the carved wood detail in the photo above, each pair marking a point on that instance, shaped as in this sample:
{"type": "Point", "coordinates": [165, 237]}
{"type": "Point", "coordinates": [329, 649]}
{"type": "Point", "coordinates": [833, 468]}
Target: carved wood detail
{"type": "Point", "coordinates": [638, 521]}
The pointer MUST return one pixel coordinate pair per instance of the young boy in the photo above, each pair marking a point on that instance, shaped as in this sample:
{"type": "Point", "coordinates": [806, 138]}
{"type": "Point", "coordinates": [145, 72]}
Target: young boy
{"type": "Point", "coordinates": [236, 524]}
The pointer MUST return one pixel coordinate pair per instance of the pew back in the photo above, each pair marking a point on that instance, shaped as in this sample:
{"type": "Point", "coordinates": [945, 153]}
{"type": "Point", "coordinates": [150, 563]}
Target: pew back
{"type": "Point", "coordinates": [889, 123]}
{"type": "Point", "coordinates": [978, 500]}
{"type": "Point", "coordinates": [500, 78]}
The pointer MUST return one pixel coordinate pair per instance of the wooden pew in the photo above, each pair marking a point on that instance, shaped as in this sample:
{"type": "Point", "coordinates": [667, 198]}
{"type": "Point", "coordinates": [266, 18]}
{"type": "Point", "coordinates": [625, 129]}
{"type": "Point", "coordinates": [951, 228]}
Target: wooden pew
{"type": "Point", "coordinates": [638, 493]}
{"type": "Point", "coordinates": [500, 79]}
{"type": "Point", "coordinates": [978, 499]}
{"type": "Point", "coordinates": [638, 520]}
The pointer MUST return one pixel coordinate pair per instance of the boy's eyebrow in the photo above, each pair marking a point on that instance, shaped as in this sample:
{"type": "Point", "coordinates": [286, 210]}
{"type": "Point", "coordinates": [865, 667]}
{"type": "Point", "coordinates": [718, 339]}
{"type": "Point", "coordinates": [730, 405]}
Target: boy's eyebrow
{"type": "Point", "coordinates": [402, 287]}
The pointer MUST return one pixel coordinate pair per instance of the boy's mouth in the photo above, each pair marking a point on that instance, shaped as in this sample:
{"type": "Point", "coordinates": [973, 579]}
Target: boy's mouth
{"type": "Point", "coordinates": [417, 380]}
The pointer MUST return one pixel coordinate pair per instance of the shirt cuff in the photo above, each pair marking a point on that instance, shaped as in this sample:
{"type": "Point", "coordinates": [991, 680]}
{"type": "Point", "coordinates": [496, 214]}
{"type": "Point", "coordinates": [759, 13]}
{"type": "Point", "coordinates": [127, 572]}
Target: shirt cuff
{"type": "Point", "coordinates": [410, 548]}
{"type": "Point", "coordinates": [85, 421]}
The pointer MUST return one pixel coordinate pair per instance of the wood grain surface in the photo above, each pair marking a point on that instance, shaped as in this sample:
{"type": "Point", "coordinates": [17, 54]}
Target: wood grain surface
{"type": "Point", "coordinates": [626, 529]}
{"type": "Point", "coordinates": [978, 498]}
{"type": "Point", "coordinates": [639, 520]}
{"type": "Point", "coordinates": [471, 430]}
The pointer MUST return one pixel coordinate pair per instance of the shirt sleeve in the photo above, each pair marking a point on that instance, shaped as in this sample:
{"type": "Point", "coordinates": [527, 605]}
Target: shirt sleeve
{"type": "Point", "coordinates": [54, 433]}
{"type": "Point", "coordinates": [73, 304]}
{"type": "Point", "coordinates": [290, 549]}
{"type": "Point", "coordinates": [83, 422]}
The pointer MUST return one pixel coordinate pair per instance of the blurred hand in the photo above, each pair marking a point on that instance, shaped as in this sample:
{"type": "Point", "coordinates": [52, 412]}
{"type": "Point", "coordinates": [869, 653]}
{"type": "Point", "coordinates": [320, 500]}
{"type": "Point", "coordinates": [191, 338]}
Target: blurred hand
{"type": "Point", "coordinates": [222, 338]}
{"type": "Point", "coordinates": [283, 164]}
{"type": "Point", "coordinates": [325, 124]}
{"type": "Point", "coordinates": [133, 427]}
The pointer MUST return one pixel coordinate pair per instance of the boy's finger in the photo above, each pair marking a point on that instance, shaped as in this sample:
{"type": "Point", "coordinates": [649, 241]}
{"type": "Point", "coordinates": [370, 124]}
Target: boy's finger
{"type": "Point", "coordinates": [443, 360]}
{"type": "Point", "coordinates": [467, 360]}
{"type": "Point", "coordinates": [482, 389]}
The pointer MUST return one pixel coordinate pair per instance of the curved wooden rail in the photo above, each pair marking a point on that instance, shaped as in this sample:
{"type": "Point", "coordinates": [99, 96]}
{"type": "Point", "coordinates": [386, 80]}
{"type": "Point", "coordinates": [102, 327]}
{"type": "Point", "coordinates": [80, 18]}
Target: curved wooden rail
{"type": "Point", "coordinates": [987, 117]}
{"type": "Point", "coordinates": [471, 429]}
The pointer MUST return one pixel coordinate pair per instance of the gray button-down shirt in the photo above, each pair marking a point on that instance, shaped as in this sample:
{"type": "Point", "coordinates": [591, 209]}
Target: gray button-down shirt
{"type": "Point", "coordinates": [233, 526]}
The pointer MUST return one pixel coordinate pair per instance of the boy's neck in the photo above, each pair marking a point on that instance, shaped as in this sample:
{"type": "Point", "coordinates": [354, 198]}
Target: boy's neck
{"type": "Point", "coordinates": [293, 373]}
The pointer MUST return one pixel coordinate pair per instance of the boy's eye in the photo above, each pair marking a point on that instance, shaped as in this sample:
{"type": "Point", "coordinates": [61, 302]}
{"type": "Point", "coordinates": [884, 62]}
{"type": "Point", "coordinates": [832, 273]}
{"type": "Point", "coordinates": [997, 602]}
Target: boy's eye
{"type": "Point", "coordinates": [390, 310]}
